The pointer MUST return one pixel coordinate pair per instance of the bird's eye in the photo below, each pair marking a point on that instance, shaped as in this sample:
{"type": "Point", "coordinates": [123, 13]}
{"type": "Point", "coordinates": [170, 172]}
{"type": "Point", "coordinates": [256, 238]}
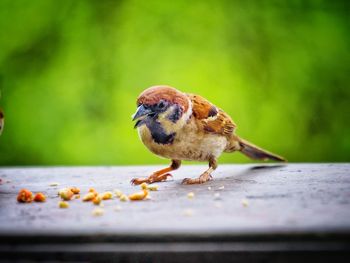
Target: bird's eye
{"type": "Point", "coordinates": [161, 105]}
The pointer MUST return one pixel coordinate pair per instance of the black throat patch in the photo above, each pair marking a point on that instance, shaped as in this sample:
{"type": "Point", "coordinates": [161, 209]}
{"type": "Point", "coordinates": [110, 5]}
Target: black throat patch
{"type": "Point", "coordinates": [158, 133]}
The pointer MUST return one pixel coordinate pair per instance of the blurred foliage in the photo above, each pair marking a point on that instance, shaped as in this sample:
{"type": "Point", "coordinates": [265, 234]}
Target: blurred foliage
{"type": "Point", "coordinates": [70, 72]}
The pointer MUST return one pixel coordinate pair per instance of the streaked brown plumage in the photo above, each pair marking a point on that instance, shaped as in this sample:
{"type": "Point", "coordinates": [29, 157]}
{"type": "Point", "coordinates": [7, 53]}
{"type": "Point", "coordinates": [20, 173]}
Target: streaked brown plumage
{"type": "Point", "coordinates": [181, 126]}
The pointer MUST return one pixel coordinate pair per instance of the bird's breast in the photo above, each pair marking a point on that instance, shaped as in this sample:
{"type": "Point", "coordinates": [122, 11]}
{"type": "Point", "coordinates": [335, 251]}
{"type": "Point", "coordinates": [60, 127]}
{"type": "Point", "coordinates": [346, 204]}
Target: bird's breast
{"type": "Point", "coordinates": [188, 143]}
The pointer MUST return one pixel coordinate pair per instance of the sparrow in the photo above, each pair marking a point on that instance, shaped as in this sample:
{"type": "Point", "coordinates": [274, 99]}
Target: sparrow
{"type": "Point", "coordinates": [2, 120]}
{"type": "Point", "coordinates": [182, 126]}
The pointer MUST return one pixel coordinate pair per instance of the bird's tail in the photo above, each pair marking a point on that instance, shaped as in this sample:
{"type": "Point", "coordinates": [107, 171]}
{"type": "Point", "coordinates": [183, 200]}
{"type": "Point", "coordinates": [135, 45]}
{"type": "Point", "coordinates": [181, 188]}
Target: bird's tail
{"type": "Point", "coordinates": [256, 153]}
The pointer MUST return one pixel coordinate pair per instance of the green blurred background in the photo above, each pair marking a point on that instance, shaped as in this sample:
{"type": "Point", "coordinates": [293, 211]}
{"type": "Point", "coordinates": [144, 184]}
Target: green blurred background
{"type": "Point", "coordinates": [70, 72]}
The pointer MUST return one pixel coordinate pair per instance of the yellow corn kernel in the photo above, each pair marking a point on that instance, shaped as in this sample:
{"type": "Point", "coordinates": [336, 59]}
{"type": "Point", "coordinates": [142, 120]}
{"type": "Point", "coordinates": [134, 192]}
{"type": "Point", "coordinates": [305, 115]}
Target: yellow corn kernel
{"type": "Point", "coordinates": [89, 196]}
{"type": "Point", "coordinates": [106, 195]}
{"type": "Point", "coordinates": [63, 204]}
{"type": "Point", "coordinates": [118, 193]}
{"type": "Point", "coordinates": [98, 212]}
{"type": "Point", "coordinates": [245, 202]}
{"type": "Point", "coordinates": [75, 190]}
{"type": "Point", "coordinates": [139, 195]}
{"type": "Point", "coordinates": [123, 198]}
{"type": "Point", "coordinates": [65, 194]}
{"type": "Point", "coordinates": [152, 187]}
{"type": "Point", "coordinates": [190, 195]}
{"type": "Point", "coordinates": [97, 200]}
{"type": "Point", "coordinates": [143, 186]}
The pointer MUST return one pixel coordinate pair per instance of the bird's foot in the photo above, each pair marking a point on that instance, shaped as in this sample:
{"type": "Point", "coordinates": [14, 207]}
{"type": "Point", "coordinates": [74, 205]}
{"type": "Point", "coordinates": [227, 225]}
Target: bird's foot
{"type": "Point", "coordinates": [200, 180]}
{"type": "Point", "coordinates": [151, 179]}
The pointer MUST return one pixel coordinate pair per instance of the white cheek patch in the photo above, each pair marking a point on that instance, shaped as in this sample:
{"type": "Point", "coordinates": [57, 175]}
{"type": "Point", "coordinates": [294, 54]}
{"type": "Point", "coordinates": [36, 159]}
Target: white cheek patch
{"type": "Point", "coordinates": [168, 125]}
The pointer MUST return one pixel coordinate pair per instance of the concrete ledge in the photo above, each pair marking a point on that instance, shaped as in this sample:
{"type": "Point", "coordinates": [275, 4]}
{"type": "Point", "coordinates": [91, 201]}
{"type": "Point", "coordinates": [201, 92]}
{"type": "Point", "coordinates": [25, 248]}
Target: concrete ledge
{"type": "Point", "coordinates": [293, 212]}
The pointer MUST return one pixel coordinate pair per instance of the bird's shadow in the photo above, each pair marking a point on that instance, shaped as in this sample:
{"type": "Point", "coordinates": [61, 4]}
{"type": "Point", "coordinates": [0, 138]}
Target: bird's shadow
{"type": "Point", "coordinates": [242, 176]}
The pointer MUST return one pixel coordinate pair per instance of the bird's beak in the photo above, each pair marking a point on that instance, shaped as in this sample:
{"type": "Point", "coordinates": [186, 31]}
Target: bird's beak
{"type": "Point", "coordinates": [140, 114]}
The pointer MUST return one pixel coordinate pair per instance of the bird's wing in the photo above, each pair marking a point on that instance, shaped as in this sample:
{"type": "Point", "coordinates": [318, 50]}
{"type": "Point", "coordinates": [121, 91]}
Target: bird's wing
{"type": "Point", "coordinates": [213, 119]}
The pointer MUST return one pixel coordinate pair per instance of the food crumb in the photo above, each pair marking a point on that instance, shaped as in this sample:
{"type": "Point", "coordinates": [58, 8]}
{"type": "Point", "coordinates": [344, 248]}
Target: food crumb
{"type": "Point", "coordinates": [65, 194]}
{"type": "Point", "coordinates": [188, 212]}
{"type": "Point", "coordinates": [190, 195]}
{"type": "Point", "coordinates": [88, 197]}
{"type": "Point", "coordinates": [152, 187]}
{"type": "Point", "coordinates": [107, 195]}
{"type": "Point", "coordinates": [63, 204]}
{"type": "Point", "coordinates": [25, 196]}
{"type": "Point", "coordinates": [75, 190]}
{"type": "Point", "coordinates": [222, 187]}
{"type": "Point", "coordinates": [245, 202]}
{"type": "Point", "coordinates": [143, 186]}
{"type": "Point", "coordinates": [98, 212]}
{"type": "Point", "coordinates": [118, 193]}
{"type": "Point", "coordinates": [97, 200]}
{"type": "Point", "coordinates": [39, 197]}
{"type": "Point", "coordinates": [123, 198]}
{"type": "Point", "coordinates": [139, 195]}
{"type": "Point", "coordinates": [54, 184]}
{"type": "Point", "coordinates": [209, 188]}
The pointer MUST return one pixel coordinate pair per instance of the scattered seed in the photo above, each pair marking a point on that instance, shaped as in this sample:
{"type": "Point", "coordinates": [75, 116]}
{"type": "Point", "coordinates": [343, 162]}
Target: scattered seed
{"type": "Point", "coordinates": [39, 197]}
{"type": "Point", "coordinates": [139, 195]}
{"type": "Point", "coordinates": [88, 197]}
{"type": "Point", "coordinates": [98, 212]}
{"type": "Point", "coordinates": [190, 195]}
{"type": "Point", "coordinates": [25, 196]}
{"type": "Point", "coordinates": [63, 204]}
{"type": "Point", "coordinates": [107, 195]}
{"type": "Point", "coordinates": [75, 190]}
{"type": "Point", "coordinates": [222, 187]}
{"type": "Point", "coordinates": [152, 187]}
{"type": "Point", "coordinates": [54, 184]}
{"type": "Point", "coordinates": [92, 190]}
{"type": "Point", "coordinates": [245, 202]}
{"type": "Point", "coordinates": [209, 188]}
{"type": "Point", "coordinates": [65, 194]}
{"type": "Point", "coordinates": [123, 198]}
{"type": "Point", "coordinates": [97, 200]}
{"type": "Point", "coordinates": [188, 212]}
{"type": "Point", "coordinates": [118, 193]}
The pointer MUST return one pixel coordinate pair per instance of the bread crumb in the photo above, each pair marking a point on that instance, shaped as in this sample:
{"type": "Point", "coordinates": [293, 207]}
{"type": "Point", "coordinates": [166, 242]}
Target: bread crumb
{"type": "Point", "coordinates": [245, 202]}
{"type": "Point", "coordinates": [188, 212]}
{"type": "Point", "coordinates": [123, 198]}
{"type": "Point", "coordinates": [63, 204]}
{"type": "Point", "coordinates": [98, 212]}
{"type": "Point", "coordinates": [190, 195]}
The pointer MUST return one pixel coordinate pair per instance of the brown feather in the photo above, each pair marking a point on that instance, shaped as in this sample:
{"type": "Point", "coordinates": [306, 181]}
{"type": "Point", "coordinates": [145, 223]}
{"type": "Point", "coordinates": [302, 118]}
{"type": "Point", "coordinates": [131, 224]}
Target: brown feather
{"type": "Point", "coordinates": [154, 94]}
{"type": "Point", "coordinates": [213, 119]}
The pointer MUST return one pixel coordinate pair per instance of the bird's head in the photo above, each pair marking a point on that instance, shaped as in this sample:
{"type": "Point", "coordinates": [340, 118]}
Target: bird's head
{"type": "Point", "coordinates": [166, 105]}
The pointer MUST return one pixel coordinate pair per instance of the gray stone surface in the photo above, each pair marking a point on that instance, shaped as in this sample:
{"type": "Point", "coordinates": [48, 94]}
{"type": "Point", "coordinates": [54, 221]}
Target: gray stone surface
{"type": "Point", "coordinates": [295, 198]}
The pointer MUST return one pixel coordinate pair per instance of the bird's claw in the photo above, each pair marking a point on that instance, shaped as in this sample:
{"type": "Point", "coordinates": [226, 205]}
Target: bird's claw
{"type": "Point", "coordinates": [200, 180]}
{"type": "Point", "coordinates": [151, 179]}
